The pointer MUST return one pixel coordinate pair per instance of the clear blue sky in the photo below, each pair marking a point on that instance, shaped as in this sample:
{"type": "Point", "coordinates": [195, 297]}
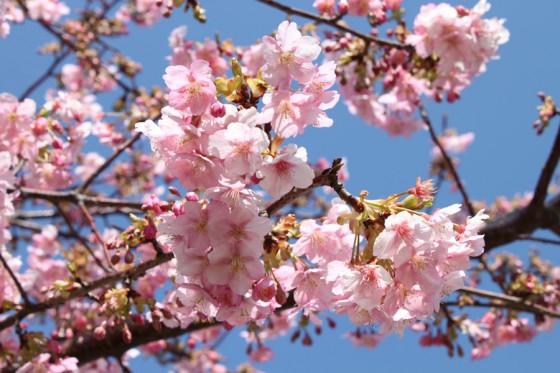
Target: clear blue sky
{"type": "Point", "coordinates": [505, 158]}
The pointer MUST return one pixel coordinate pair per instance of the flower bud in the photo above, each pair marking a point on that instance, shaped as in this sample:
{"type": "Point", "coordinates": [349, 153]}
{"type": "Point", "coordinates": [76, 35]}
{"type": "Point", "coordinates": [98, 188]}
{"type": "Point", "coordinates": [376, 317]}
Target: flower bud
{"type": "Point", "coordinates": [217, 110]}
{"type": "Point", "coordinates": [128, 257]}
{"type": "Point", "coordinates": [191, 197]}
{"type": "Point", "coordinates": [342, 7]}
{"type": "Point", "coordinates": [99, 333]}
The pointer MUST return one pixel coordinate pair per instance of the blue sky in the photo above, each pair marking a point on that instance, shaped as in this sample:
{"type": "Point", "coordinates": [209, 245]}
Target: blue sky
{"type": "Point", "coordinates": [504, 159]}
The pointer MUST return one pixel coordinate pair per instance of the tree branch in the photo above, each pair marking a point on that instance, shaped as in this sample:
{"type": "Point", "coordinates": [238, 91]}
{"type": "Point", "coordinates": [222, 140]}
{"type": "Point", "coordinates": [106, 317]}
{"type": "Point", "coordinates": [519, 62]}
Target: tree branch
{"type": "Point", "coordinates": [447, 159]}
{"type": "Point", "coordinates": [518, 303]}
{"type": "Point", "coordinates": [541, 189]}
{"type": "Point", "coordinates": [74, 197]}
{"type": "Point", "coordinates": [108, 162]}
{"type": "Point", "coordinates": [334, 22]}
{"type": "Point", "coordinates": [132, 273]}
{"type": "Point", "coordinates": [45, 75]}
{"type": "Point", "coordinates": [15, 280]}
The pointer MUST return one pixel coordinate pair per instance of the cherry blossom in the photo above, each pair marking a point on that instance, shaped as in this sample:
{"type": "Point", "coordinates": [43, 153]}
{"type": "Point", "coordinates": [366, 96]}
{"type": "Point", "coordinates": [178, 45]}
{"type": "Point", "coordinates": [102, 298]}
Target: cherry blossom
{"type": "Point", "coordinates": [191, 88]}
{"type": "Point", "coordinates": [288, 56]}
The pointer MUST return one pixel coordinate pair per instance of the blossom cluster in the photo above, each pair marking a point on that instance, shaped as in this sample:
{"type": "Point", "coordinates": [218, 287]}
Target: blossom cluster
{"type": "Point", "coordinates": [461, 39]}
{"type": "Point", "coordinates": [49, 149]}
{"type": "Point", "coordinates": [413, 263]}
{"type": "Point", "coordinates": [219, 233]}
{"type": "Point", "coordinates": [224, 138]}
{"type": "Point", "coordinates": [450, 45]}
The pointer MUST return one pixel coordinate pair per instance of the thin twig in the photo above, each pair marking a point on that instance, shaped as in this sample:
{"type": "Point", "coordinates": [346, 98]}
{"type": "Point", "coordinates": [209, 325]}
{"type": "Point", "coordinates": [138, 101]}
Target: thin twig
{"type": "Point", "coordinates": [448, 162]}
{"type": "Point", "coordinates": [108, 162]}
{"type": "Point", "coordinates": [92, 224]}
{"type": "Point", "coordinates": [81, 239]}
{"type": "Point", "coordinates": [73, 197]}
{"type": "Point", "coordinates": [527, 237]}
{"type": "Point", "coordinates": [327, 178]}
{"type": "Point", "coordinates": [520, 303]}
{"type": "Point", "coordinates": [45, 75]}
{"type": "Point", "coordinates": [21, 291]}
{"type": "Point", "coordinates": [334, 22]}
{"type": "Point", "coordinates": [34, 227]}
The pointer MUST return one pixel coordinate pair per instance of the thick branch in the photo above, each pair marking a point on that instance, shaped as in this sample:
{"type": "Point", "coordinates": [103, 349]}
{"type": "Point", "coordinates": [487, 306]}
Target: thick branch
{"type": "Point", "coordinates": [90, 349]}
{"type": "Point", "coordinates": [541, 189]}
{"type": "Point", "coordinates": [519, 223]}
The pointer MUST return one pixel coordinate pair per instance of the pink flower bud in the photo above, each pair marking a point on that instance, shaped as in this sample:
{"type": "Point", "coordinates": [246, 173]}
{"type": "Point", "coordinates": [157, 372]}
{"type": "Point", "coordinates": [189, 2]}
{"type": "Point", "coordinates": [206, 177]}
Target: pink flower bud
{"type": "Point", "coordinates": [174, 191]}
{"type": "Point", "coordinates": [128, 257]}
{"type": "Point", "coordinates": [40, 126]}
{"type": "Point", "coordinates": [178, 208]}
{"type": "Point", "coordinates": [115, 259]}
{"type": "Point", "coordinates": [342, 8]}
{"type": "Point", "coordinates": [57, 143]}
{"type": "Point", "coordinates": [393, 4]}
{"type": "Point", "coordinates": [150, 232]}
{"type": "Point", "coordinates": [191, 343]}
{"type": "Point", "coordinates": [218, 110]}
{"type": "Point", "coordinates": [99, 332]}
{"type": "Point", "coordinates": [191, 197]}
{"type": "Point", "coordinates": [137, 319]}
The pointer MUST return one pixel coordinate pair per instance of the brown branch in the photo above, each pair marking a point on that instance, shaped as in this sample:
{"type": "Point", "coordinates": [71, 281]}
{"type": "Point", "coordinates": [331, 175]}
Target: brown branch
{"type": "Point", "coordinates": [45, 75]}
{"type": "Point", "coordinates": [89, 349]}
{"type": "Point", "coordinates": [327, 178]}
{"type": "Point", "coordinates": [21, 291]}
{"type": "Point", "coordinates": [47, 214]}
{"type": "Point", "coordinates": [526, 237]}
{"type": "Point", "coordinates": [334, 22]}
{"type": "Point", "coordinates": [519, 303]}
{"type": "Point", "coordinates": [34, 227]}
{"type": "Point", "coordinates": [81, 239]}
{"type": "Point", "coordinates": [541, 189]}
{"type": "Point", "coordinates": [74, 197]}
{"type": "Point", "coordinates": [490, 304]}
{"type": "Point", "coordinates": [521, 222]}
{"type": "Point", "coordinates": [108, 162]}
{"type": "Point", "coordinates": [132, 273]}
{"type": "Point", "coordinates": [446, 158]}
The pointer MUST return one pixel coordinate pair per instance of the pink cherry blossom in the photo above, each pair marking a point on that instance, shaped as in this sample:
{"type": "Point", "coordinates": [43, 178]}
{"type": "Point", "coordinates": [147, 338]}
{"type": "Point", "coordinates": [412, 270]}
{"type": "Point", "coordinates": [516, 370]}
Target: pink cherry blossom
{"type": "Point", "coordinates": [288, 113]}
{"type": "Point", "coordinates": [191, 88]}
{"type": "Point", "coordinates": [288, 56]}
{"type": "Point", "coordinates": [401, 230]}
{"type": "Point", "coordinates": [236, 267]}
{"type": "Point", "coordinates": [287, 170]}
{"type": "Point", "coordinates": [240, 146]}
{"type": "Point", "coordinates": [47, 10]}
{"type": "Point", "coordinates": [240, 228]}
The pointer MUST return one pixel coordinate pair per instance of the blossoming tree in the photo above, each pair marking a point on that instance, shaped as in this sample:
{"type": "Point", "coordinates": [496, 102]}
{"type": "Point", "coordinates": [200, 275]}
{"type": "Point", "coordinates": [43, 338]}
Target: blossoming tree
{"type": "Point", "coordinates": [224, 223]}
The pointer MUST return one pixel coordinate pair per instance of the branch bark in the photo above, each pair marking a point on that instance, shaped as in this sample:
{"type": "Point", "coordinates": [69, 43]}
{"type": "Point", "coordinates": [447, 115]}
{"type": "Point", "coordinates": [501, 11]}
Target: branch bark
{"type": "Point", "coordinates": [334, 22]}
